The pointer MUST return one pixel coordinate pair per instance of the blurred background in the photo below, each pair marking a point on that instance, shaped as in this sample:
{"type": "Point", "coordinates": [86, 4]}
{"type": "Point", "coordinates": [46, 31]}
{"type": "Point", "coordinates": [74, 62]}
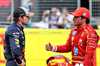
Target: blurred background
{"type": "Point", "coordinates": [43, 8]}
{"type": "Point", "coordinates": [52, 23]}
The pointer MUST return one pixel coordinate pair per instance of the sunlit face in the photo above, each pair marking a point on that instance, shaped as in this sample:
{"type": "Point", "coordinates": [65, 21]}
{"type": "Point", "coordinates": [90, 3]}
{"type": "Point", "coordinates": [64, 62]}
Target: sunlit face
{"type": "Point", "coordinates": [77, 20]}
{"type": "Point", "coordinates": [25, 20]}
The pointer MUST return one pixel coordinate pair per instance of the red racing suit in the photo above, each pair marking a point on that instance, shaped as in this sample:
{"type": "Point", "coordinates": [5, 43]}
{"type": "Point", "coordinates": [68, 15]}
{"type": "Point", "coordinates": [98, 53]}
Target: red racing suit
{"type": "Point", "coordinates": [82, 43]}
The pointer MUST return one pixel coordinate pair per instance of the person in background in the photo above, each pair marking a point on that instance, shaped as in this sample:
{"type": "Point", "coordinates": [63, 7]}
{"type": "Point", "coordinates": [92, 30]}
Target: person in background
{"type": "Point", "coordinates": [45, 15]}
{"type": "Point", "coordinates": [58, 12]}
{"type": "Point", "coordinates": [66, 19]}
{"type": "Point", "coordinates": [52, 19]}
{"type": "Point", "coordinates": [94, 23]}
{"type": "Point", "coordinates": [82, 40]}
{"type": "Point", "coordinates": [8, 17]}
{"type": "Point", "coordinates": [14, 42]}
{"type": "Point", "coordinates": [42, 24]}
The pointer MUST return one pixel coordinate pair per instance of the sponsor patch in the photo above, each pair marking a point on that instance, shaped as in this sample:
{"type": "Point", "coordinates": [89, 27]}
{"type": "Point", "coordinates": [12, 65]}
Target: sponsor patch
{"type": "Point", "coordinates": [82, 34]}
{"type": "Point", "coordinates": [18, 46]}
{"type": "Point", "coordinates": [72, 43]}
{"type": "Point", "coordinates": [16, 41]}
{"type": "Point", "coordinates": [72, 38]}
{"type": "Point", "coordinates": [74, 32]}
{"type": "Point", "coordinates": [75, 51]}
{"type": "Point", "coordinates": [93, 35]}
{"type": "Point", "coordinates": [16, 34]}
{"type": "Point", "coordinates": [84, 14]}
{"type": "Point", "coordinates": [23, 42]}
{"type": "Point", "coordinates": [22, 32]}
{"type": "Point", "coordinates": [80, 42]}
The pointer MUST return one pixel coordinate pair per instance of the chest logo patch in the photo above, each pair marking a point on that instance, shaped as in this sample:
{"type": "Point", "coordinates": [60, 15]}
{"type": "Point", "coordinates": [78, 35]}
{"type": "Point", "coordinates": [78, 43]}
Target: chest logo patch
{"type": "Point", "coordinates": [16, 41]}
{"type": "Point", "coordinates": [80, 42]}
{"type": "Point", "coordinates": [82, 34]}
{"type": "Point", "coordinates": [75, 51]}
{"type": "Point", "coordinates": [74, 32]}
{"type": "Point", "coordinates": [72, 38]}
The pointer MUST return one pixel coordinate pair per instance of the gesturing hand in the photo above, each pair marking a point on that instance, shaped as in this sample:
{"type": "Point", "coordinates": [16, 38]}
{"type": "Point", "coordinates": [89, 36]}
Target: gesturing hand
{"type": "Point", "coordinates": [49, 47]}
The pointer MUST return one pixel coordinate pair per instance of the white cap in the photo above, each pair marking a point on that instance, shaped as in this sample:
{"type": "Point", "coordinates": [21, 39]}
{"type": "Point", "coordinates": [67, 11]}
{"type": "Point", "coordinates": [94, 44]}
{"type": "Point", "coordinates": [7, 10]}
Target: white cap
{"type": "Point", "coordinates": [30, 14]}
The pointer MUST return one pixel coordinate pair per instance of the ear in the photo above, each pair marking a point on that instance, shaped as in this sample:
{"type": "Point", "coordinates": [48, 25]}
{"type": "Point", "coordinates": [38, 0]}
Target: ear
{"type": "Point", "coordinates": [20, 18]}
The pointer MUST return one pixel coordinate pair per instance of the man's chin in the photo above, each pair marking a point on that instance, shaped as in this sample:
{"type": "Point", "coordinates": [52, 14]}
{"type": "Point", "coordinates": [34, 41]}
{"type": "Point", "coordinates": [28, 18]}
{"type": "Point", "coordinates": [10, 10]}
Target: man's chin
{"type": "Point", "coordinates": [25, 24]}
{"type": "Point", "coordinates": [75, 25]}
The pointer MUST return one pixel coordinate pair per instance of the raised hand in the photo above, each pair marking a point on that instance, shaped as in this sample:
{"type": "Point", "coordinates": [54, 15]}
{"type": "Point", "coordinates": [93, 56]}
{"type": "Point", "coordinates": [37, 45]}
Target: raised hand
{"type": "Point", "coordinates": [49, 47]}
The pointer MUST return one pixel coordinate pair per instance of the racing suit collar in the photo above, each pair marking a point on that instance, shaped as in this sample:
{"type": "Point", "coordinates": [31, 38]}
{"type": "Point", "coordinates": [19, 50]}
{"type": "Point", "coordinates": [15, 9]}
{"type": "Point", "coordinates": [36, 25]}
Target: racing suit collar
{"type": "Point", "coordinates": [19, 26]}
{"type": "Point", "coordinates": [80, 28]}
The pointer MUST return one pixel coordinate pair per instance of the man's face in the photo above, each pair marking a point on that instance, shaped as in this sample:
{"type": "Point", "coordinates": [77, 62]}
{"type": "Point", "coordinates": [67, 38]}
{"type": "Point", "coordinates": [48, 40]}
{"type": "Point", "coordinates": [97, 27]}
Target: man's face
{"type": "Point", "coordinates": [77, 20]}
{"type": "Point", "coordinates": [65, 12]}
{"type": "Point", "coordinates": [54, 13]}
{"type": "Point", "coordinates": [25, 20]}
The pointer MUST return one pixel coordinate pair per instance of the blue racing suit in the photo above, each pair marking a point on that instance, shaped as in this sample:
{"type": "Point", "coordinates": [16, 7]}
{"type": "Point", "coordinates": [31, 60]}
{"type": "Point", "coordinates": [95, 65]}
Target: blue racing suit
{"type": "Point", "coordinates": [14, 43]}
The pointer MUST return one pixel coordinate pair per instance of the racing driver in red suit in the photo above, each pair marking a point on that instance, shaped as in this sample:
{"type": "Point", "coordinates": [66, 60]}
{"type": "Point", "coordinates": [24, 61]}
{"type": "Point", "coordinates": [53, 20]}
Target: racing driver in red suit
{"type": "Point", "coordinates": [82, 40]}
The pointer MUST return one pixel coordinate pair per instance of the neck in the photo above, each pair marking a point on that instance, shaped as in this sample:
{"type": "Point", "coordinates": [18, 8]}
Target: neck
{"type": "Point", "coordinates": [20, 23]}
{"type": "Point", "coordinates": [82, 25]}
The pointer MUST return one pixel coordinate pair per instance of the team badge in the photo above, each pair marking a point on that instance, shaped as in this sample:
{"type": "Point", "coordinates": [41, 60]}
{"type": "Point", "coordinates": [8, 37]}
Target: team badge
{"type": "Point", "coordinates": [72, 43]}
{"type": "Point", "coordinates": [80, 42]}
{"type": "Point", "coordinates": [82, 34]}
{"type": "Point", "coordinates": [16, 34]}
{"type": "Point", "coordinates": [84, 14]}
{"type": "Point", "coordinates": [72, 38]}
{"type": "Point", "coordinates": [16, 41]}
{"type": "Point", "coordinates": [21, 32]}
{"type": "Point", "coordinates": [75, 51]}
{"type": "Point", "coordinates": [74, 32]}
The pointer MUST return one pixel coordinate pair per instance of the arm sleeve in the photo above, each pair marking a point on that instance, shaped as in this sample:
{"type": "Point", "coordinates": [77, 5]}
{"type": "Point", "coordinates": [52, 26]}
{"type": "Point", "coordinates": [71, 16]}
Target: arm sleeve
{"type": "Point", "coordinates": [92, 40]}
{"type": "Point", "coordinates": [66, 47]}
{"type": "Point", "coordinates": [14, 45]}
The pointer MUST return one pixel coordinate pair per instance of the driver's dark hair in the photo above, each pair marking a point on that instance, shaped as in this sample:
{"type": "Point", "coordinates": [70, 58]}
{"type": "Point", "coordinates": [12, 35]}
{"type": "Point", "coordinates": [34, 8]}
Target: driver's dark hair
{"type": "Point", "coordinates": [16, 19]}
{"type": "Point", "coordinates": [87, 19]}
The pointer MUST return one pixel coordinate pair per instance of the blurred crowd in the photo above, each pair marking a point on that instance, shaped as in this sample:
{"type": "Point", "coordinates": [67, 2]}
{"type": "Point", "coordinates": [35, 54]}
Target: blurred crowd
{"type": "Point", "coordinates": [55, 19]}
